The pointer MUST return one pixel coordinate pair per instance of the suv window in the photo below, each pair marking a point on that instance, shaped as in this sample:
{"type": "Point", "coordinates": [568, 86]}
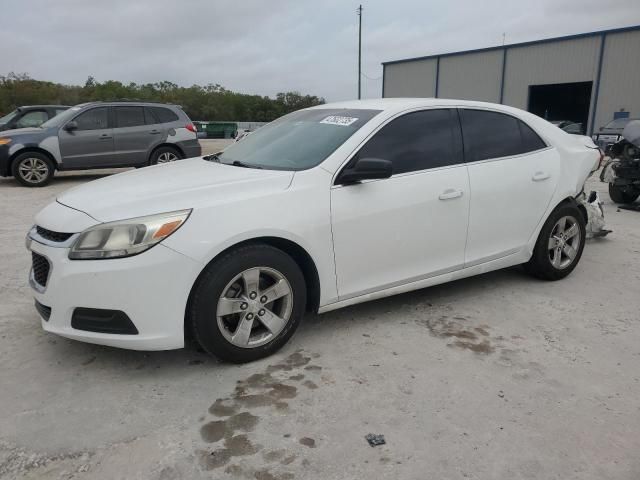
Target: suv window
{"type": "Point", "coordinates": [35, 118]}
{"type": "Point", "coordinates": [129, 116]}
{"type": "Point", "coordinates": [164, 115]}
{"type": "Point", "coordinates": [415, 141]}
{"type": "Point", "coordinates": [494, 135]}
{"type": "Point", "coordinates": [94, 119]}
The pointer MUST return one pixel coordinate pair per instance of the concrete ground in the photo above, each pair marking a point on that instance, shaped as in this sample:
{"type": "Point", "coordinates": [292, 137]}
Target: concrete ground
{"type": "Point", "coordinates": [494, 377]}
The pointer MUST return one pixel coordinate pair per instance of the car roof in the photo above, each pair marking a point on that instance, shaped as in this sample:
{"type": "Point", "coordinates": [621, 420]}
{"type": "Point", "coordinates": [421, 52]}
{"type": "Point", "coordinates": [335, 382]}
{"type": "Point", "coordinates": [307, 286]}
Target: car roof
{"type": "Point", "coordinates": [129, 103]}
{"type": "Point", "coordinates": [400, 104]}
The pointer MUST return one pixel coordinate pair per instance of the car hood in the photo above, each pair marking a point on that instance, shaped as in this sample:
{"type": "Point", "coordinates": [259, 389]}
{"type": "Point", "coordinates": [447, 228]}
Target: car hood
{"type": "Point", "coordinates": [175, 186]}
{"type": "Point", "coordinates": [16, 132]}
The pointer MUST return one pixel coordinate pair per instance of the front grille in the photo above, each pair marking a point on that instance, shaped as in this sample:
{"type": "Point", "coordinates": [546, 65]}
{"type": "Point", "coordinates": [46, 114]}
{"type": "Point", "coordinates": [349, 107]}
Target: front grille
{"type": "Point", "coordinates": [41, 269]}
{"type": "Point", "coordinates": [53, 236]}
{"type": "Point", "coordinates": [43, 310]}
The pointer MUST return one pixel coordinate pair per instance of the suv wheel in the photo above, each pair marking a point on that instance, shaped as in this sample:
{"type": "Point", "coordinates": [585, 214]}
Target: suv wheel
{"type": "Point", "coordinates": [164, 155]}
{"type": "Point", "coordinates": [32, 169]}
{"type": "Point", "coordinates": [248, 303]}
{"type": "Point", "coordinates": [621, 195]}
{"type": "Point", "coordinates": [560, 244]}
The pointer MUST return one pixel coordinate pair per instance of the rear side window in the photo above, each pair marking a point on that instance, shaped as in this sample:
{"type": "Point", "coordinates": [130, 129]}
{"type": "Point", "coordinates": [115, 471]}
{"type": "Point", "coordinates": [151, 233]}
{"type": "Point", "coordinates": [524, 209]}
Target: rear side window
{"type": "Point", "coordinates": [129, 116]}
{"type": "Point", "coordinates": [94, 119]}
{"type": "Point", "coordinates": [416, 141]}
{"type": "Point", "coordinates": [494, 135]}
{"type": "Point", "coordinates": [164, 115]}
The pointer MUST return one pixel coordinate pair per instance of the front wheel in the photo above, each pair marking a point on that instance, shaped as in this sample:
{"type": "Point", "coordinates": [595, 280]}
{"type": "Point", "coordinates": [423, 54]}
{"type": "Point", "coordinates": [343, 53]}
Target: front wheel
{"type": "Point", "coordinates": [32, 169]}
{"type": "Point", "coordinates": [560, 244]}
{"type": "Point", "coordinates": [621, 195]}
{"type": "Point", "coordinates": [248, 303]}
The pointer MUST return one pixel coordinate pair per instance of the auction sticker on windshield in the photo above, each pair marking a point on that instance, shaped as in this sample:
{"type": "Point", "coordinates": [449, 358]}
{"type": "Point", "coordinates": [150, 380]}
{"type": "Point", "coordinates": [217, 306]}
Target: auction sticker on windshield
{"type": "Point", "coordinates": [338, 120]}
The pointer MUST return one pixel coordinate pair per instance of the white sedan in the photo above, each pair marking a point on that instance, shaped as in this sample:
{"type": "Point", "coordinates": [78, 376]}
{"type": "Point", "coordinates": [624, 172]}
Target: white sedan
{"type": "Point", "coordinates": [323, 208]}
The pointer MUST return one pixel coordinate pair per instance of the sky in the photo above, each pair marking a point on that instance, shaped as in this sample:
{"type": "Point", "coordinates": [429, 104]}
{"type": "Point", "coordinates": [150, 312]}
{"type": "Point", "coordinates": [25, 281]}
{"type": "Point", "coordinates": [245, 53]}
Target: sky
{"type": "Point", "coordinates": [264, 47]}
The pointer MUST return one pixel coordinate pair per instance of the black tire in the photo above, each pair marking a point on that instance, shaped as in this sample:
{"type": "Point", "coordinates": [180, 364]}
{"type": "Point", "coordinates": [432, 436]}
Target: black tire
{"type": "Point", "coordinates": [41, 164]}
{"type": "Point", "coordinates": [621, 195]}
{"type": "Point", "coordinates": [159, 152]}
{"type": "Point", "coordinates": [540, 265]}
{"type": "Point", "coordinates": [203, 307]}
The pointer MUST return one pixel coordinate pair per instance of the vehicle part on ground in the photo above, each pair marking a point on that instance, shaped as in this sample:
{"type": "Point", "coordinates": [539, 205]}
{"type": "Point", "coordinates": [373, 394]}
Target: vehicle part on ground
{"type": "Point", "coordinates": [595, 215]}
{"type": "Point", "coordinates": [374, 439]}
{"type": "Point", "coordinates": [32, 169]}
{"type": "Point", "coordinates": [248, 303]}
{"type": "Point", "coordinates": [560, 244]}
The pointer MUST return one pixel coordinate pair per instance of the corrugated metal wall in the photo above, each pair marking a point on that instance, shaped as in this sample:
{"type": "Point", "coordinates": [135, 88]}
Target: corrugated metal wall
{"type": "Point", "coordinates": [413, 79]}
{"type": "Point", "coordinates": [475, 76]}
{"type": "Point", "coordinates": [620, 77]}
{"type": "Point", "coordinates": [478, 75]}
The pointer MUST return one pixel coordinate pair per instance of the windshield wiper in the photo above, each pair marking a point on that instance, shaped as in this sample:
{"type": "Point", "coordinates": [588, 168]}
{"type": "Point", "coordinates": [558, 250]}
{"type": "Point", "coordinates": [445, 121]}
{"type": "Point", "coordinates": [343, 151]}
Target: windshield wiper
{"type": "Point", "coordinates": [238, 163]}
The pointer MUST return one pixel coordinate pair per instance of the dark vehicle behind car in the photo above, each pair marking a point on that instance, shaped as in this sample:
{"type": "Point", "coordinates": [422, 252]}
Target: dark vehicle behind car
{"type": "Point", "coordinates": [30, 116]}
{"type": "Point", "coordinates": [98, 135]}
{"type": "Point", "coordinates": [622, 171]}
{"type": "Point", "coordinates": [611, 133]}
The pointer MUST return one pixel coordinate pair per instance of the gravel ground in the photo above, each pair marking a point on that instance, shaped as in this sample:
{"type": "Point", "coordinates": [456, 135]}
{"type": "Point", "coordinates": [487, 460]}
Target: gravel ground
{"type": "Point", "coordinates": [494, 377]}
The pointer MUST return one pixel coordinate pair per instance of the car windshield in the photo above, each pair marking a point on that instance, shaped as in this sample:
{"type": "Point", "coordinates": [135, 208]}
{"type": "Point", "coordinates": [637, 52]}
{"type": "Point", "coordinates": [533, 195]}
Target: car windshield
{"type": "Point", "coordinates": [619, 123]}
{"type": "Point", "coordinates": [8, 117]}
{"type": "Point", "coordinates": [61, 118]}
{"type": "Point", "coordinates": [297, 141]}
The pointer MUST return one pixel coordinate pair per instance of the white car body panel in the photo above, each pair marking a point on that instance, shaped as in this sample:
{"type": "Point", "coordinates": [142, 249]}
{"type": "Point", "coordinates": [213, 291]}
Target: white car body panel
{"type": "Point", "coordinates": [497, 217]}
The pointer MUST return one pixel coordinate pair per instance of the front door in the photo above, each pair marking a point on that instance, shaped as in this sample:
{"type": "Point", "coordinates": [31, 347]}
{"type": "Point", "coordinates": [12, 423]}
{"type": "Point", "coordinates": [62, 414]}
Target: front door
{"type": "Point", "coordinates": [90, 145]}
{"type": "Point", "coordinates": [412, 225]}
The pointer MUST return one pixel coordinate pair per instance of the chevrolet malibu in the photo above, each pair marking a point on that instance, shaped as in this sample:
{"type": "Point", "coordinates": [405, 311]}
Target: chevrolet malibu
{"type": "Point", "coordinates": [326, 207]}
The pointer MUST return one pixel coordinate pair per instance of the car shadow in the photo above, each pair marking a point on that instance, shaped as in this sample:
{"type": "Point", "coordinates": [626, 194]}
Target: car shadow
{"type": "Point", "coordinates": [181, 362]}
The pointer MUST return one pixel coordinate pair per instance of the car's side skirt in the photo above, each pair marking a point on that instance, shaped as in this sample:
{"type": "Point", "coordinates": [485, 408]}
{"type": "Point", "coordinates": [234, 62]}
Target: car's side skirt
{"type": "Point", "coordinates": [521, 256]}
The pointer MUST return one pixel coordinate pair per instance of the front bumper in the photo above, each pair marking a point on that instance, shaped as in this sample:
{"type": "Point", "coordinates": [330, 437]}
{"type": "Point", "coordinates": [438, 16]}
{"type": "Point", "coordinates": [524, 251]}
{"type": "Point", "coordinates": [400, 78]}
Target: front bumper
{"type": "Point", "coordinates": [151, 288]}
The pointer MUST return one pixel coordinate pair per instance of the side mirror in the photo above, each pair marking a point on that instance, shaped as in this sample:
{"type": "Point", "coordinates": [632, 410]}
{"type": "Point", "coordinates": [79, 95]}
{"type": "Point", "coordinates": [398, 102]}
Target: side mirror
{"type": "Point", "coordinates": [71, 126]}
{"type": "Point", "coordinates": [366, 169]}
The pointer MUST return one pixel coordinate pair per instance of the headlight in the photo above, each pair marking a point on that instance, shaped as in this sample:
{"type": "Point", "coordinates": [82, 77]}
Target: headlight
{"type": "Point", "coordinates": [126, 237]}
{"type": "Point", "coordinates": [4, 141]}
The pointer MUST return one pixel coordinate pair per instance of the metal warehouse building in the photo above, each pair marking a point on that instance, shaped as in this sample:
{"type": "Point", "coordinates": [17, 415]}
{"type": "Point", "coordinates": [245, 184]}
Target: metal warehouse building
{"type": "Point", "coordinates": [590, 78]}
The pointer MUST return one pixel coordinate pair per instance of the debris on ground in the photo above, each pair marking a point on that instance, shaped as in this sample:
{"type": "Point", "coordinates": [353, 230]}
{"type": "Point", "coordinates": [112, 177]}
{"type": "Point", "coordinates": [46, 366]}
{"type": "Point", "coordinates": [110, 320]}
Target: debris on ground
{"type": "Point", "coordinates": [375, 440]}
{"type": "Point", "coordinates": [595, 215]}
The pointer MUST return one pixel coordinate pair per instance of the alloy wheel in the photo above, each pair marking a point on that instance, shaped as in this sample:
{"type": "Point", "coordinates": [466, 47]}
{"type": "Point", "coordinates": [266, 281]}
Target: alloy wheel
{"type": "Point", "coordinates": [167, 157]}
{"type": "Point", "coordinates": [564, 242]}
{"type": "Point", "coordinates": [33, 170]}
{"type": "Point", "coordinates": [254, 307]}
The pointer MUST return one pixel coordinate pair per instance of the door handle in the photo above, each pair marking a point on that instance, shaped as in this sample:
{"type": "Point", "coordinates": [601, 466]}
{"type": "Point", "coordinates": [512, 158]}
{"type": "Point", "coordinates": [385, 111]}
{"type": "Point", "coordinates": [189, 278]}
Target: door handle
{"type": "Point", "coordinates": [105, 136]}
{"type": "Point", "coordinates": [450, 193]}
{"type": "Point", "coordinates": [154, 132]}
{"type": "Point", "coordinates": [540, 176]}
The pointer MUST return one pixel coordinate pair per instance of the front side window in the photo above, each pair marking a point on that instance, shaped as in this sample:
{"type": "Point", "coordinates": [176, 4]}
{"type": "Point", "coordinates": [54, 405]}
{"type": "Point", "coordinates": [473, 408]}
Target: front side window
{"type": "Point", "coordinates": [35, 118]}
{"type": "Point", "coordinates": [494, 135]}
{"type": "Point", "coordinates": [8, 117]}
{"type": "Point", "coordinates": [297, 141]}
{"type": "Point", "coordinates": [94, 119]}
{"type": "Point", "coordinates": [129, 117]}
{"type": "Point", "coordinates": [415, 141]}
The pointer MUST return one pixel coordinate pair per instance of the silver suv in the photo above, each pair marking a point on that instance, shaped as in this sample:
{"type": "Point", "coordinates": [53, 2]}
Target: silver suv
{"type": "Point", "coordinates": [98, 135]}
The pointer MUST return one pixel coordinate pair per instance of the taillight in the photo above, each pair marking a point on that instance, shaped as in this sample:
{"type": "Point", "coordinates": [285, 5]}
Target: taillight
{"type": "Point", "coordinates": [191, 127]}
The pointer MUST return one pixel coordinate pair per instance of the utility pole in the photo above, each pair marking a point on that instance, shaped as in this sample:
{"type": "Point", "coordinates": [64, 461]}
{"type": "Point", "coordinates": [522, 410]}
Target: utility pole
{"type": "Point", "coordinates": [359, 52]}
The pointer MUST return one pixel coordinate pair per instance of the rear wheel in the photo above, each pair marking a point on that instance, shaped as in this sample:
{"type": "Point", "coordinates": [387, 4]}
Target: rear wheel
{"type": "Point", "coordinates": [32, 169]}
{"type": "Point", "coordinates": [248, 303]}
{"type": "Point", "coordinates": [164, 155]}
{"type": "Point", "coordinates": [623, 195]}
{"type": "Point", "coordinates": [560, 244]}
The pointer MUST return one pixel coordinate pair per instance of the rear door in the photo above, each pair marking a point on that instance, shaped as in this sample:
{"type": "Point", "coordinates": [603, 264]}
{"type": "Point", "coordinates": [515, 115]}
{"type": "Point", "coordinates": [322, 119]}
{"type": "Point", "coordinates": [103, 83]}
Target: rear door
{"type": "Point", "coordinates": [413, 225]}
{"type": "Point", "coordinates": [513, 175]}
{"type": "Point", "coordinates": [91, 144]}
{"type": "Point", "coordinates": [136, 132]}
